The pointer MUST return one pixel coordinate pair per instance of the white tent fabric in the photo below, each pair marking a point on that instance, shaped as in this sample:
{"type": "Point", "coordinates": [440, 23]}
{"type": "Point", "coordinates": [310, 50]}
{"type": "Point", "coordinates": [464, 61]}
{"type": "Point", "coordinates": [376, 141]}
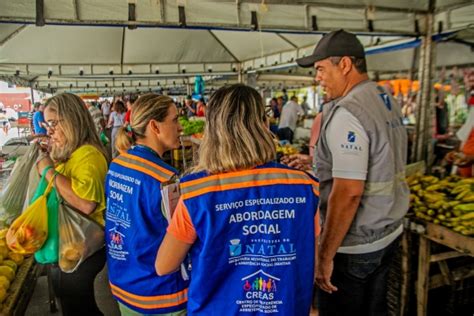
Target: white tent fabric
{"type": "Point", "coordinates": [390, 15]}
{"type": "Point", "coordinates": [92, 38]}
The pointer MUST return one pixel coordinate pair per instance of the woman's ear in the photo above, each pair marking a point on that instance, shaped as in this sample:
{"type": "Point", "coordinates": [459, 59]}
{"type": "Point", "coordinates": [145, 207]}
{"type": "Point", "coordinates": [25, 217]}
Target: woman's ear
{"type": "Point", "coordinates": [154, 127]}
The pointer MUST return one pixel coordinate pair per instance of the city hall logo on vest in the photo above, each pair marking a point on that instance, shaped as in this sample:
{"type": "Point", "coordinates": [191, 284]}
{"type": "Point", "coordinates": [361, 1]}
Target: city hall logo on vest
{"type": "Point", "coordinates": [350, 145]}
{"type": "Point", "coordinates": [235, 249]}
{"type": "Point", "coordinates": [116, 239]}
{"type": "Point", "coordinates": [351, 137]}
{"type": "Point", "coordinates": [260, 285]}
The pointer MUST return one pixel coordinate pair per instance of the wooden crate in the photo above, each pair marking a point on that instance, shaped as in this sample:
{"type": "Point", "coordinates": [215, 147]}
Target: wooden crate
{"type": "Point", "coordinates": [21, 289]}
{"type": "Point", "coordinates": [444, 259]}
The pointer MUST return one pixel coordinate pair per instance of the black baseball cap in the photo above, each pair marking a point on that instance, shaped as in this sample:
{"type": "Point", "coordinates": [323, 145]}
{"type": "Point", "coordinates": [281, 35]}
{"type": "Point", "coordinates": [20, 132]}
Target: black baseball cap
{"type": "Point", "coordinates": [337, 43]}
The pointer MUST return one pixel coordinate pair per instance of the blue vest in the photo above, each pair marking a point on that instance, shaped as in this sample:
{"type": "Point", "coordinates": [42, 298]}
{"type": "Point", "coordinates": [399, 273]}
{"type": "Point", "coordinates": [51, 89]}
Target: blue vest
{"type": "Point", "coordinates": [134, 229]}
{"type": "Point", "coordinates": [254, 252]}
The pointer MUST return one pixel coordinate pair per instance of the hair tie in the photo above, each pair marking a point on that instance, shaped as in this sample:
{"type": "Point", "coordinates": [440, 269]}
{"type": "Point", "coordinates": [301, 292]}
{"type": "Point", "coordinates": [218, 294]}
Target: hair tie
{"type": "Point", "coordinates": [130, 131]}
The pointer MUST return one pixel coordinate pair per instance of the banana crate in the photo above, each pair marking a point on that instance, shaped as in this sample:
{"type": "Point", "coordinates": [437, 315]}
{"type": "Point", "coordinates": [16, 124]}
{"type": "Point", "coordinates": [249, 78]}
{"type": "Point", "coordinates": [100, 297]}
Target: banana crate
{"type": "Point", "coordinates": [448, 202]}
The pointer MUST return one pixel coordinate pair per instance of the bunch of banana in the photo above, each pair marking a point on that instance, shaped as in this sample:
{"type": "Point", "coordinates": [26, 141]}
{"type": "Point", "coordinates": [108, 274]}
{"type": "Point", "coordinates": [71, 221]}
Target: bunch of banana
{"type": "Point", "coordinates": [286, 150]}
{"type": "Point", "coordinates": [449, 202]}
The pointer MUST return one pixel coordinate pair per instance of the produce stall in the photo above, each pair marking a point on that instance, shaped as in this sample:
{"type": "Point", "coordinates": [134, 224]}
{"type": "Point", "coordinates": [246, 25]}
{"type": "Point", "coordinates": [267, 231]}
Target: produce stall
{"type": "Point", "coordinates": [438, 245]}
{"type": "Point", "coordinates": [18, 274]}
{"type": "Point", "coordinates": [462, 246]}
{"type": "Point", "coordinates": [21, 289]}
{"type": "Point", "coordinates": [186, 156]}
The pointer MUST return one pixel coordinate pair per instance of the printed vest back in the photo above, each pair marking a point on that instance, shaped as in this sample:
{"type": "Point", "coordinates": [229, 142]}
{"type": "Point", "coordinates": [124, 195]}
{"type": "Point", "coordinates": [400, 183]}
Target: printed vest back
{"type": "Point", "coordinates": [135, 227]}
{"type": "Point", "coordinates": [385, 199]}
{"type": "Point", "coordinates": [254, 253]}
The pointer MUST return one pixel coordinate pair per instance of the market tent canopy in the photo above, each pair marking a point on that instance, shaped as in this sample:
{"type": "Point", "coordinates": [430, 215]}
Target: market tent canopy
{"type": "Point", "coordinates": [92, 44]}
{"type": "Point", "coordinates": [389, 16]}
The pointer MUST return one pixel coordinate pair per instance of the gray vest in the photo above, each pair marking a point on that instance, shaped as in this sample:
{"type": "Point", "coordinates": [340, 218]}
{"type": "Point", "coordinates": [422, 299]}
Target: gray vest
{"type": "Point", "coordinates": [386, 194]}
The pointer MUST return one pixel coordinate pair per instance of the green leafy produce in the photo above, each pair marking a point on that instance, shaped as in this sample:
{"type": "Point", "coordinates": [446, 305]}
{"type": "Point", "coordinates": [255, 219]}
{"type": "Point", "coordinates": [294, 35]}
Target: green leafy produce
{"type": "Point", "coordinates": [191, 127]}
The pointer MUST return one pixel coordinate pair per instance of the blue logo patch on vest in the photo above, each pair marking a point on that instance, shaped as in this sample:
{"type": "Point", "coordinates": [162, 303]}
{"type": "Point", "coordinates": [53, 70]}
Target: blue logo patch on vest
{"type": "Point", "coordinates": [351, 137]}
{"type": "Point", "coordinates": [385, 98]}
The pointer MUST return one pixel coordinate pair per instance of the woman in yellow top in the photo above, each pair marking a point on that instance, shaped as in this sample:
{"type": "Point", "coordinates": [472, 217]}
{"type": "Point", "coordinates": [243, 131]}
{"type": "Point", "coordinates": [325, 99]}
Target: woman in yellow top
{"type": "Point", "coordinates": [79, 161]}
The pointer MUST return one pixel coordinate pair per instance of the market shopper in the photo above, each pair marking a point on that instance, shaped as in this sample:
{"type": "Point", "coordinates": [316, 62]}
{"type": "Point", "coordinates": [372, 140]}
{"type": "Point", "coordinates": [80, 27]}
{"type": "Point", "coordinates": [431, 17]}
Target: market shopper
{"type": "Point", "coordinates": [105, 108]}
{"type": "Point", "coordinates": [463, 157]}
{"type": "Point", "coordinates": [4, 121]}
{"type": "Point", "coordinates": [246, 220]}
{"type": "Point", "coordinates": [97, 117]}
{"type": "Point", "coordinates": [79, 162]}
{"type": "Point", "coordinates": [304, 105]}
{"type": "Point", "coordinates": [303, 161]}
{"type": "Point", "coordinates": [288, 119]}
{"type": "Point", "coordinates": [116, 120]}
{"type": "Point", "coordinates": [190, 106]}
{"type": "Point", "coordinates": [135, 223]}
{"type": "Point", "coordinates": [280, 104]}
{"type": "Point", "coordinates": [38, 120]}
{"type": "Point", "coordinates": [132, 98]}
{"type": "Point", "coordinates": [361, 162]}
{"type": "Point", "coordinates": [201, 108]}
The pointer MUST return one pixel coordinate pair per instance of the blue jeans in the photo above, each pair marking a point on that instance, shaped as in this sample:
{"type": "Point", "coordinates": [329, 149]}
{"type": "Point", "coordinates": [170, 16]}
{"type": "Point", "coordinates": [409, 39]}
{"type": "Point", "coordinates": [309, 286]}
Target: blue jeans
{"type": "Point", "coordinates": [361, 280]}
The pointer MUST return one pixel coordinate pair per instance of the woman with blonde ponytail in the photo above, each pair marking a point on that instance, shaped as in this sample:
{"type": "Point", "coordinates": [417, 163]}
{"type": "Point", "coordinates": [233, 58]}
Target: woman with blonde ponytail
{"type": "Point", "coordinates": [135, 223]}
{"type": "Point", "coordinates": [246, 221]}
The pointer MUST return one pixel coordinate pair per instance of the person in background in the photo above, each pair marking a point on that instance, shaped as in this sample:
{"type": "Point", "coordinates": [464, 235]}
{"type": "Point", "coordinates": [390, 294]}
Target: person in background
{"type": "Point", "coordinates": [97, 117]}
{"type": "Point", "coordinates": [409, 109]}
{"type": "Point", "coordinates": [288, 119]}
{"type": "Point", "coordinates": [274, 106]}
{"type": "Point", "coordinates": [201, 108]}
{"type": "Point", "coordinates": [4, 121]}
{"type": "Point", "coordinates": [280, 104]}
{"type": "Point", "coordinates": [77, 164]}
{"type": "Point", "coordinates": [116, 120]}
{"type": "Point", "coordinates": [30, 117]}
{"type": "Point", "coordinates": [443, 140]}
{"type": "Point", "coordinates": [273, 116]}
{"type": "Point", "coordinates": [463, 158]}
{"type": "Point", "coordinates": [470, 101]}
{"type": "Point", "coordinates": [190, 106]}
{"type": "Point", "coordinates": [105, 108]}
{"type": "Point", "coordinates": [130, 102]}
{"type": "Point", "coordinates": [136, 222]}
{"type": "Point", "coordinates": [304, 105]}
{"type": "Point", "coordinates": [224, 213]}
{"type": "Point", "coordinates": [38, 120]}
{"type": "Point", "coordinates": [285, 96]}
{"type": "Point", "coordinates": [442, 116]}
{"type": "Point", "coordinates": [302, 161]}
{"type": "Point", "coordinates": [360, 160]}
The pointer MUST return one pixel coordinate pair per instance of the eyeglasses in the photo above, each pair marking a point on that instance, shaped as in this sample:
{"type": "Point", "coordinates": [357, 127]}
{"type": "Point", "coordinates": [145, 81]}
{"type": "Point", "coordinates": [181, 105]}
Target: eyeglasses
{"type": "Point", "coordinates": [52, 123]}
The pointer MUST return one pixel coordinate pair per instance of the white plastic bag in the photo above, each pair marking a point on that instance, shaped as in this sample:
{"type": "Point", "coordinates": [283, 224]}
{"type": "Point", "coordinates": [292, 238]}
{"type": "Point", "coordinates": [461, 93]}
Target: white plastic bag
{"type": "Point", "coordinates": [79, 237]}
{"type": "Point", "coordinates": [14, 195]}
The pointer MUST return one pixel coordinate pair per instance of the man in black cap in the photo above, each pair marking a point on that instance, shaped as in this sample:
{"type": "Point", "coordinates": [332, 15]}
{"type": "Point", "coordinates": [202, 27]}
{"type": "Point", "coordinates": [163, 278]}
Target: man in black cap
{"type": "Point", "coordinates": [360, 161]}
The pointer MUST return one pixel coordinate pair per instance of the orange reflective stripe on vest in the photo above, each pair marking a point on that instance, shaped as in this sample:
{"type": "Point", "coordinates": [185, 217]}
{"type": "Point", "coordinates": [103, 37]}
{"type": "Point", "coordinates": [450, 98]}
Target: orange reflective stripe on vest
{"type": "Point", "coordinates": [152, 169]}
{"type": "Point", "coordinates": [150, 302]}
{"type": "Point", "coordinates": [246, 179]}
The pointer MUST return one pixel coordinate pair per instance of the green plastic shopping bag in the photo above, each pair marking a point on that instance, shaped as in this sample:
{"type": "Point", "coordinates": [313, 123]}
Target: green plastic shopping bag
{"type": "Point", "coordinates": [49, 253]}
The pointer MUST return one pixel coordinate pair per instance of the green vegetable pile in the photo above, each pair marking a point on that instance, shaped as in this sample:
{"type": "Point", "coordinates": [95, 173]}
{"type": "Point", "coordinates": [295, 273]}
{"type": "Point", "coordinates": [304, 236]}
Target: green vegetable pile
{"type": "Point", "coordinates": [191, 127]}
